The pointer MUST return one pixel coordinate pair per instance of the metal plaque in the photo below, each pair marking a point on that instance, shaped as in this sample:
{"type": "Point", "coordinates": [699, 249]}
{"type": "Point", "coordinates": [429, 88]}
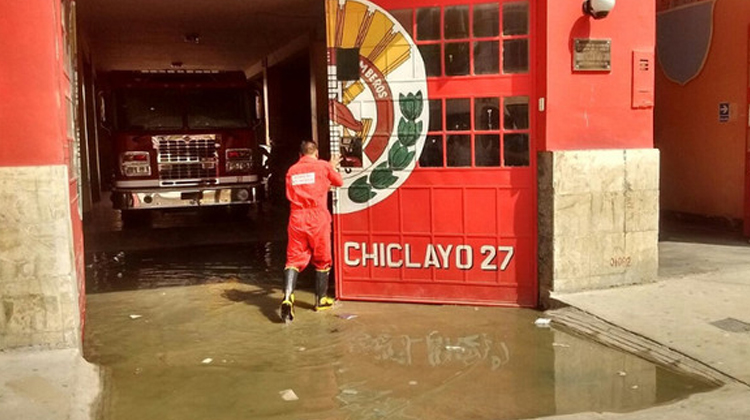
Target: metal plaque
{"type": "Point", "coordinates": [592, 54]}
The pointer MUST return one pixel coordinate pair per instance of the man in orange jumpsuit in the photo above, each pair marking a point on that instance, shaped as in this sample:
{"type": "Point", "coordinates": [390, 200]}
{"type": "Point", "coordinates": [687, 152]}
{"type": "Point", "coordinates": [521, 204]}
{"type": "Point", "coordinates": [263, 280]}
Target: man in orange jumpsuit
{"type": "Point", "coordinates": [309, 230]}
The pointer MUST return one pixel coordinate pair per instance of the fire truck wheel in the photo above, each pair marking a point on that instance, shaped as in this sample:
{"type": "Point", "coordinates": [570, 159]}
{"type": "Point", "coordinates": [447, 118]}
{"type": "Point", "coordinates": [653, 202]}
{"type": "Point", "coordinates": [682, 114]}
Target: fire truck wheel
{"type": "Point", "coordinates": [135, 218]}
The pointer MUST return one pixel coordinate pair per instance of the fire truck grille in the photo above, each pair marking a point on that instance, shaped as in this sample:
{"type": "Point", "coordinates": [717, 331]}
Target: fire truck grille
{"type": "Point", "coordinates": [188, 159]}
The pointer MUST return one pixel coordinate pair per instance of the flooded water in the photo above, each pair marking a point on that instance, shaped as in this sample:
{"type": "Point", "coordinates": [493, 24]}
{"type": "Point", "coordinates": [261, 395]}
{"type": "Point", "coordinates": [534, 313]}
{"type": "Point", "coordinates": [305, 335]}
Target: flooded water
{"type": "Point", "coordinates": [194, 333]}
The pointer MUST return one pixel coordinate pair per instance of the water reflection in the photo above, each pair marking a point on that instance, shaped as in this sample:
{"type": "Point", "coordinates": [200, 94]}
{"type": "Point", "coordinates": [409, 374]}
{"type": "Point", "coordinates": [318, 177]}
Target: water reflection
{"type": "Point", "coordinates": [435, 348]}
{"type": "Point", "coordinates": [252, 263]}
{"type": "Point", "coordinates": [394, 361]}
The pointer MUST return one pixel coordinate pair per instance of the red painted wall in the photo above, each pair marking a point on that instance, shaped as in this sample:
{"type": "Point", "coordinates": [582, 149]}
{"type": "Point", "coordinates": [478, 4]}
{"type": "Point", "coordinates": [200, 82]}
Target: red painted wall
{"type": "Point", "coordinates": [30, 106]}
{"type": "Point", "coordinates": [34, 88]}
{"type": "Point", "coordinates": [593, 110]}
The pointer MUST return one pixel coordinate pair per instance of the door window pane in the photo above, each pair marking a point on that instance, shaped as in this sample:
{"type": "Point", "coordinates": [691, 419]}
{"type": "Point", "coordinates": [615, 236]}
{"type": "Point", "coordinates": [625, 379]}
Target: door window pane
{"type": "Point", "coordinates": [487, 150]}
{"type": "Point", "coordinates": [404, 17]}
{"type": "Point", "coordinates": [487, 114]}
{"type": "Point", "coordinates": [516, 115]}
{"type": "Point", "coordinates": [487, 57]}
{"type": "Point", "coordinates": [486, 20]}
{"type": "Point", "coordinates": [456, 22]}
{"type": "Point", "coordinates": [436, 115]}
{"type": "Point", "coordinates": [459, 150]}
{"type": "Point", "coordinates": [456, 59]}
{"type": "Point", "coordinates": [516, 149]}
{"type": "Point", "coordinates": [458, 114]}
{"type": "Point", "coordinates": [432, 154]}
{"type": "Point", "coordinates": [431, 56]}
{"type": "Point", "coordinates": [516, 18]}
{"type": "Point", "coordinates": [516, 56]}
{"type": "Point", "coordinates": [347, 64]}
{"type": "Point", "coordinates": [428, 24]}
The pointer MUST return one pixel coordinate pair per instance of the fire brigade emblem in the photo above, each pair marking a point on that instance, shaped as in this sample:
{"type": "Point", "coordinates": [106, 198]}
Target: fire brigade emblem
{"type": "Point", "coordinates": [377, 93]}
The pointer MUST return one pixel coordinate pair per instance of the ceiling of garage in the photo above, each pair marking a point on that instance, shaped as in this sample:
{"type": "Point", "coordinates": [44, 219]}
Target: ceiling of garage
{"type": "Point", "coordinates": [150, 34]}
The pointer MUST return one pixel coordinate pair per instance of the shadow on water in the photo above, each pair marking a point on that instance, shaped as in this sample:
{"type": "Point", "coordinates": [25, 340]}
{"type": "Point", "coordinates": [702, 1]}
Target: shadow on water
{"type": "Point", "coordinates": [215, 349]}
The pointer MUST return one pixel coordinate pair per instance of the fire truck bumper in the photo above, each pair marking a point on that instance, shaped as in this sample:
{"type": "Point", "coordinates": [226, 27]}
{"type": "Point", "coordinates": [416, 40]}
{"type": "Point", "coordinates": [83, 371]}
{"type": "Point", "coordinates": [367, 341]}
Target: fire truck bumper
{"type": "Point", "coordinates": [161, 198]}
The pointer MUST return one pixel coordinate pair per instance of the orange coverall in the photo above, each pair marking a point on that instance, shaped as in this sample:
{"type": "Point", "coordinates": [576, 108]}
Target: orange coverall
{"type": "Point", "coordinates": [309, 230]}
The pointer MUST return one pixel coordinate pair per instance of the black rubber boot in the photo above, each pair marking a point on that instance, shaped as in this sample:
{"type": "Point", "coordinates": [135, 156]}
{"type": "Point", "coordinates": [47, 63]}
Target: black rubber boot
{"type": "Point", "coordinates": [322, 300]}
{"type": "Point", "coordinates": [287, 305]}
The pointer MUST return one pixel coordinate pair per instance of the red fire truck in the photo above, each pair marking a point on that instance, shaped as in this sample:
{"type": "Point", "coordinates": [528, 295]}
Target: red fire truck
{"type": "Point", "coordinates": [182, 139]}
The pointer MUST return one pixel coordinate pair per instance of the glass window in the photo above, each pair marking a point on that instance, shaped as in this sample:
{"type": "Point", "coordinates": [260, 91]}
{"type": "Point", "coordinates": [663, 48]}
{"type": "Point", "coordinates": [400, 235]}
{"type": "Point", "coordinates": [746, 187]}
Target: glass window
{"type": "Point", "coordinates": [516, 149]}
{"type": "Point", "coordinates": [456, 22]}
{"type": "Point", "coordinates": [459, 150]}
{"type": "Point", "coordinates": [347, 64]}
{"type": "Point", "coordinates": [431, 55]}
{"type": "Point", "coordinates": [516, 56]}
{"type": "Point", "coordinates": [516, 18]}
{"type": "Point", "coordinates": [436, 115]}
{"type": "Point", "coordinates": [404, 17]}
{"type": "Point", "coordinates": [432, 154]}
{"type": "Point", "coordinates": [217, 108]}
{"type": "Point", "coordinates": [487, 114]}
{"type": "Point", "coordinates": [486, 20]}
{"type": "Point", "coordinates": [457, 59]}
{"type": "Point", "coordinates": [516, 113]}
{"type": "Point", "coordinates": [487, 150]}
{"type": "Point", "coordinates": [428, 24]}
{"type": "Point", "coordinates": [487, 57]}
{"type": "Point", "coordinates": [458, 114]}
{"type": "Point", "coordinates": [142, 109]}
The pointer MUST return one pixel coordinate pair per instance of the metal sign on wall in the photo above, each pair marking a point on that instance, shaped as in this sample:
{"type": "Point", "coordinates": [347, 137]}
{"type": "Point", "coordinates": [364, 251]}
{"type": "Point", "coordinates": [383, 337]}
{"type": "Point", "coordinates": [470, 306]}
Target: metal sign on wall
{"type": "Point", "coordinates": [592, 54]}
{"type": "Point", "coordinates": [416, 231]}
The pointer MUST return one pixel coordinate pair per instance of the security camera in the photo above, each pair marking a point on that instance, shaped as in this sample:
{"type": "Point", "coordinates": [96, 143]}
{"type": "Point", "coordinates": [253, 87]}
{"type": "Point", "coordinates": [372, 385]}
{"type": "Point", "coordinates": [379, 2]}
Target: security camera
{"type": "Point", "coordinates": [599, 9]}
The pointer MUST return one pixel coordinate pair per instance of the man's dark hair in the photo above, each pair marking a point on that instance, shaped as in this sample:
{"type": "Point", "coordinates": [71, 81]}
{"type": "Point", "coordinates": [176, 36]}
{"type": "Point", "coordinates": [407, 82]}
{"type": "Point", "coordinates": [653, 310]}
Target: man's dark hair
{"type": "Point", "coordinates": [308, 147]}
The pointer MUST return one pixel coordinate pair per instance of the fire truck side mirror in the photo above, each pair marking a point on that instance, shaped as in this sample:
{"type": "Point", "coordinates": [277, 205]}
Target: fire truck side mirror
{"type": "Point", "coordinates": [101, 104]}
{"type": "Point", "coordinates": [257, 106]}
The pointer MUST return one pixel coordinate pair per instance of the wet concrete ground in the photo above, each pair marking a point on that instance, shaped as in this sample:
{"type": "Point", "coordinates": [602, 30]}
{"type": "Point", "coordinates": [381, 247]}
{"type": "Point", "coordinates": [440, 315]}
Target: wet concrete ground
{"type": "Point", "coordinates": [192, 332]}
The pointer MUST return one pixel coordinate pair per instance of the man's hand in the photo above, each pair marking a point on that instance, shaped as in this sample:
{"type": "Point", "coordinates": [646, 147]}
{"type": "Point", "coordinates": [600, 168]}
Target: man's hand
{"type": "Point", "coordinates": [336, 161]}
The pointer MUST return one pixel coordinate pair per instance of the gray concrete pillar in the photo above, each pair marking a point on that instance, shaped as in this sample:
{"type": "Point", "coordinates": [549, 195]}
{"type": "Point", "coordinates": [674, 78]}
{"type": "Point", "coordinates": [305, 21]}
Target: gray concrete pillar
{"type": "Point", "coordinates": [598, 219]}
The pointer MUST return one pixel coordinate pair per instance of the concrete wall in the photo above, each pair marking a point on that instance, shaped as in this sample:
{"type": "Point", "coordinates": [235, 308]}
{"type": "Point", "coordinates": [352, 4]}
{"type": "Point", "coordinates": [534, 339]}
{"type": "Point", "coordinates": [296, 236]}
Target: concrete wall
{"type": "Point", "coordinates": [598, 179]}
{"type": "Point", "coordinates": [38, 289]}
{"type": "Point", "coordinates": [41, 239]}
{"type": "Point", "coordinates": [598, 218]}
{"type": "Point", "coordinates": [703, 159]}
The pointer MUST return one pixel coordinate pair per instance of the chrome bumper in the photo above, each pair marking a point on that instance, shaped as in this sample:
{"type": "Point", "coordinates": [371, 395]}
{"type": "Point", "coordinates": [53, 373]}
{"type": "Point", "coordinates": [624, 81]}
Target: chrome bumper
{"type": "Point", "coordinates": [161, 198]}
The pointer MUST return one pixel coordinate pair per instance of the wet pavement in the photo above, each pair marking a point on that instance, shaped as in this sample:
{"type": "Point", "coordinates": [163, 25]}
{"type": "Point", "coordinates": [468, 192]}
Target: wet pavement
{"type": "Point", "coordinates": [193, 333]}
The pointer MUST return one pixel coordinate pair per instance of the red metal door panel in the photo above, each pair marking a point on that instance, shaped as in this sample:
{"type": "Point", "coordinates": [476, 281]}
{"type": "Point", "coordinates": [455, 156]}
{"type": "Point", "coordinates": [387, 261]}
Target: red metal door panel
{"type": "Point", "coordinates": [431, 105]}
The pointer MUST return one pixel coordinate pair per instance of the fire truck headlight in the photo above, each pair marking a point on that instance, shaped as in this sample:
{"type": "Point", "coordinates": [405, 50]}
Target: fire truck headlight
{"type": "Point", "coordinates": [134, 164]}
{"type": "Point", "coordinates": [239, 160]}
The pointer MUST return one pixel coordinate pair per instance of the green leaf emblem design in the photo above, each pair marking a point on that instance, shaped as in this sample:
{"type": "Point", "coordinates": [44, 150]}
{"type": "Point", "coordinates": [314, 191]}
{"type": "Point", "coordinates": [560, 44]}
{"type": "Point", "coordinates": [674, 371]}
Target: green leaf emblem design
{"type": "Point", "coordinates": [400, 154]}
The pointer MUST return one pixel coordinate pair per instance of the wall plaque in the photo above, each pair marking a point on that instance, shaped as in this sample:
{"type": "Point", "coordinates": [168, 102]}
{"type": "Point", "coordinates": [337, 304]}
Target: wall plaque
{"type": "Point", "coordinates": [592, 54]}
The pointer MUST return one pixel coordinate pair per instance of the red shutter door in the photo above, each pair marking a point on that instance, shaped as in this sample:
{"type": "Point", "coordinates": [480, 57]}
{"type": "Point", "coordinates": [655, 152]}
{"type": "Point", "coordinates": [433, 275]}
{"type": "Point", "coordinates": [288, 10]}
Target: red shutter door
{"type": "Point", "coordinates": [432, 108]}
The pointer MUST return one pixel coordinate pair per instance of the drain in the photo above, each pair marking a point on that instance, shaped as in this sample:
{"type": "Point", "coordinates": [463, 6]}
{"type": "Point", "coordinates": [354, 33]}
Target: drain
{"type": "Point", "coordinates": [732, 325]}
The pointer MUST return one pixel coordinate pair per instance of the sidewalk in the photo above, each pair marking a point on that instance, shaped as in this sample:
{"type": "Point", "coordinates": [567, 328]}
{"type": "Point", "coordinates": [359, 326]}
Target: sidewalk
{"type": "Point", "coordinates": [47, 385]}
{"type": "Point", "coordinates": [698, 308]}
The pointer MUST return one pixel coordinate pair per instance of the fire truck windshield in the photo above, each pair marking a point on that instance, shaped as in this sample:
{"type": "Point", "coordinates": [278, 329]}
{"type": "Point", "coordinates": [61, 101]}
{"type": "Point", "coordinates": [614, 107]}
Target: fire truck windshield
{"type": "Point", "coordinates": [170, 109]}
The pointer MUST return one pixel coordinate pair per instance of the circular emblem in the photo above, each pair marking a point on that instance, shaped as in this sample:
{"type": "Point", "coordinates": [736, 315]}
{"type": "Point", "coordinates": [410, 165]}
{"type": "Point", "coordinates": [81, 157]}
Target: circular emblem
{"type": "Point", "coordinates": [377, 92]}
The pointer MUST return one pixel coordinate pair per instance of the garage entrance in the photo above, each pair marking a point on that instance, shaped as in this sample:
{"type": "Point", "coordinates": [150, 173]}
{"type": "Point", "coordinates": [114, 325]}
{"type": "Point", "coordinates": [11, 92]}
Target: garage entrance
{"type": "Point", "coordinates": [430, 107]}
{"type": "Point", "coordinates": [189, 99]}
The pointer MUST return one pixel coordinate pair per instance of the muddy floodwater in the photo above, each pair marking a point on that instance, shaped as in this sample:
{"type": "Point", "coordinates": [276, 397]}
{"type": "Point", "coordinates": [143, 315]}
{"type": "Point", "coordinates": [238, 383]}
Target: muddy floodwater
{"type": "Point", "coordinates": [193, 333]}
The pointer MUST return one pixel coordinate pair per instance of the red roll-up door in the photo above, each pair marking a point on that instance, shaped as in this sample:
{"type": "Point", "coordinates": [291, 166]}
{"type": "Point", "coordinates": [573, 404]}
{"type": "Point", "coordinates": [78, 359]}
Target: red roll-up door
{"type": "Point", "coordinates": [432, 108]}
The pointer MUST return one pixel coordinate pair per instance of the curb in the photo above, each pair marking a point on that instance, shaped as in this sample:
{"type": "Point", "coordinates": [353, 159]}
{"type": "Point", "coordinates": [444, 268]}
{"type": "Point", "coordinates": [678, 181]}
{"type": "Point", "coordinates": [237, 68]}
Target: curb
{"type": "Point", "coordinates": [590, 326]}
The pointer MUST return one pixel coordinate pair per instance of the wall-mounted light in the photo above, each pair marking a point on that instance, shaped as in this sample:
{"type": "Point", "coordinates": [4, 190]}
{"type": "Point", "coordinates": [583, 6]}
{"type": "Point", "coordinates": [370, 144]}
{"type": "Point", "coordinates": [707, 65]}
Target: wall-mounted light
{"type": "Point", "coordinates": [599, 9]}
